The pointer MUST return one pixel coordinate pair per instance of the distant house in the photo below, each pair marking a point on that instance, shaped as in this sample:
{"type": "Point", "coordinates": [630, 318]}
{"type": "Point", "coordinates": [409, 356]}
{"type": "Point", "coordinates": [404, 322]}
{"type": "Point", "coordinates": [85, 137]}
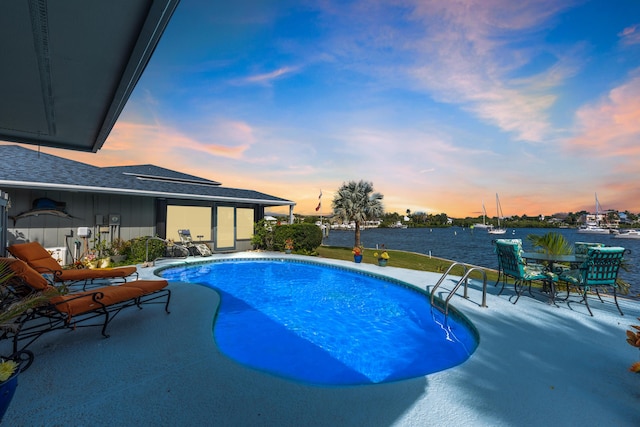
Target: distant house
{"type": "Point", "coordinates": [56, 202]}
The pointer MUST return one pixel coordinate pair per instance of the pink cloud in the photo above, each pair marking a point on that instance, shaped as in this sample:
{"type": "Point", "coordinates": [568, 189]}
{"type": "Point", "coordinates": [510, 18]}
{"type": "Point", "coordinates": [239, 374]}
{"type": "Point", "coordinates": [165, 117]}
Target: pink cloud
{"type": "Point", "coordinates": [138, 143]}
{"type": "Point", "coordinates": [268, 77]}
{"type": "Point", "coordinates": [630, 35]}
{"type": "Point", "coordinates": [473, 64]}
{"type": "Point", "coordinates": [612, 126]}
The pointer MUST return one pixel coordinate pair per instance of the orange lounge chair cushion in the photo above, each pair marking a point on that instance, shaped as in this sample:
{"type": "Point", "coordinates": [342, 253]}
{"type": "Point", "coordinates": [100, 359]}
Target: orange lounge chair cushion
{"type": "Point", "coordinates": [82, 302]}
{"type": "Point", "coordinates": [35, 255]}
{"type": "Point", "coordinates": [27, 274]}
{"type": "Point", "coordinates": [95, 273]}
{"type": "Point", "coordinates": [40, 259]}
{"type": "Point", "coordinates": [147, 286]}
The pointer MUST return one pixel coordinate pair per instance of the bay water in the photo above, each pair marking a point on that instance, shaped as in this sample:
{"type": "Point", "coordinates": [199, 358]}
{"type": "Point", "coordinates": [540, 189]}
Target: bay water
{"type": "Point", "coordinates": [474, 246]}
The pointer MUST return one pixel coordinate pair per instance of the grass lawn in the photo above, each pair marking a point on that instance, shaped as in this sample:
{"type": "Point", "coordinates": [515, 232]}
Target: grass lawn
{"type": "Point", "coordinates": [402, 259]}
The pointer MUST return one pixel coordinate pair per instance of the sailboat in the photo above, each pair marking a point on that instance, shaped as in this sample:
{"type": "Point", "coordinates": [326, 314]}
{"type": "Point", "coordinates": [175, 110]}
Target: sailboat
{"type": "Point", "coordinates": [498, 229]}
{"type": "Point", "coordinates": [484, 222]}
{"type": "Point", "coordinates": [593, 227]}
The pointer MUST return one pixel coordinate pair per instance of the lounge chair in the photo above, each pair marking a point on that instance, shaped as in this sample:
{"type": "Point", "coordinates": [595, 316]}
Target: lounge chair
{"type": "Point", "coordinates": [193, 248]}
{"type": "Point", "coordinates": [97, 307]}
{"type": "Point", "coordinates": [40, 260]}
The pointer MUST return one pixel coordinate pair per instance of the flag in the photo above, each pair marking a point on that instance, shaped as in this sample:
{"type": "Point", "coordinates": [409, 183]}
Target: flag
{"type": "Point", "coordinates": [319, 202]}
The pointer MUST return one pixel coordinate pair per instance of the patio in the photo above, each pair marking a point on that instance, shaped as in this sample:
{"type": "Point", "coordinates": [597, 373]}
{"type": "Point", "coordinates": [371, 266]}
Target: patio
{"type": "Point", "coordinates": [536, 365]}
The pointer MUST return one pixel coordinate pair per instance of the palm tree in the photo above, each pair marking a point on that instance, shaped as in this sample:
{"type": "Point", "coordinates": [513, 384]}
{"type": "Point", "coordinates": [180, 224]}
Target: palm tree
{"type": "Point", "coordinates": [551, 243]}
{"type": "Point", "coordinates": [356, 201]}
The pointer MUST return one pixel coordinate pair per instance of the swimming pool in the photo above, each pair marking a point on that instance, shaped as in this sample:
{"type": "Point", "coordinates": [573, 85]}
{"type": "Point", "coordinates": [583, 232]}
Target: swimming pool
{"type": "Point", "coordinates": [326, 325]}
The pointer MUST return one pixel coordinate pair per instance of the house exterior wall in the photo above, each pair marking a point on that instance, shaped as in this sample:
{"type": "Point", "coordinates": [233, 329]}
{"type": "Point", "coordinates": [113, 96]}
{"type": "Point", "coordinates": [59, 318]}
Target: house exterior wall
{"type": "Point", "coordinates": [95, 211]}
{"type": "Point", "coordinates": [115, 216]}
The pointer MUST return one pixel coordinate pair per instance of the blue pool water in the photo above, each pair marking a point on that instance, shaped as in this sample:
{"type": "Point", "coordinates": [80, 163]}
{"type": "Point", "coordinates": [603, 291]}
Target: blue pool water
{"type": "Point", "coordinates": [326, 325]}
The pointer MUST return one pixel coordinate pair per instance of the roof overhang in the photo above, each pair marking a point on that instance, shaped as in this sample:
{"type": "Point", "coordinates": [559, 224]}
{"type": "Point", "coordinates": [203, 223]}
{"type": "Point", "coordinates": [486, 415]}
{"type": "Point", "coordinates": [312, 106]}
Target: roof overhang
{"type": "Point", "coordinates": [69, 67]}
{"type": "Point", "coordinates": [141, 193]}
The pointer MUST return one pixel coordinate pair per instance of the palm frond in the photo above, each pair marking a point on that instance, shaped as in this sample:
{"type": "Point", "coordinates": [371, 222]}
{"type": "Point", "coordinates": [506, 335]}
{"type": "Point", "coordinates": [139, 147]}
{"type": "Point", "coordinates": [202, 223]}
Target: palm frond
{"type": "Point", "coordinates": [551, 243]}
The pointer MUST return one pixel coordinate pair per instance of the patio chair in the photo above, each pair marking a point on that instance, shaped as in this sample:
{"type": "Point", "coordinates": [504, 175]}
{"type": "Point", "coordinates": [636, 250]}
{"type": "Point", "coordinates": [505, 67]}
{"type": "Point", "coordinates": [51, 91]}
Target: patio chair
{"type": "Point", "coordinates": [514, 266]}
{"type": "Point", "coordinates": [598, 270]}
{"type": "Point", "coordinates": [40, 260]}
{"type": "Point", "coordinates": [500, 274]}
{"type": "Point", "coordinates": [582, 248]}
{"type": "Point", "coordinates": [97, 307]}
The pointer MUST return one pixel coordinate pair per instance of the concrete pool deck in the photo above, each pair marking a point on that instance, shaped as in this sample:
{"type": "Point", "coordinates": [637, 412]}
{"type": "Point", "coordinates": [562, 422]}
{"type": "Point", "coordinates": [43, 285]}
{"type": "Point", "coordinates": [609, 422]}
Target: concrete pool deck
{"type": "Point", "coordinates": [536, 365]}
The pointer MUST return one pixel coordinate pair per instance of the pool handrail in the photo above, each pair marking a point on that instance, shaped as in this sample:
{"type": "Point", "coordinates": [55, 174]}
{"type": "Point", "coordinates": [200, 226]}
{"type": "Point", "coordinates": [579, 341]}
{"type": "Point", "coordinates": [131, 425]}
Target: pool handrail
{"type": "Point", "coordinates": [463, 279]}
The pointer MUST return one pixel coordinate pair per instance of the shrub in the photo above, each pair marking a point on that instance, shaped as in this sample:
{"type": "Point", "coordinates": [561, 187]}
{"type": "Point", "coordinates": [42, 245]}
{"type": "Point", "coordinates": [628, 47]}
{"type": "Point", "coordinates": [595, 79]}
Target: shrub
{"type": "Point", "coordinates": [137, 251]}
{"type": "Point", "coordinates": [120, 247]}
{"type": "Point", "coordinates": [306, 237]}
{"type": "Point", "coordinates": [262, 235]}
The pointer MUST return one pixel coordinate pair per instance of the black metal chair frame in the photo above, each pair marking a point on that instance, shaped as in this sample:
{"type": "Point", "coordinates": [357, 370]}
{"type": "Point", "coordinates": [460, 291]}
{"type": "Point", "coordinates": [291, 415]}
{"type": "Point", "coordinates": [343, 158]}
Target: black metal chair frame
{"type": "Point", "coordinates": [512, 265]}
{"type": "Point", "coordinates": [56, 276]}
{"type": "Point", "coordinates": [41, 320]}
{"type": "Point", "coordinates": [599, 270]}
{"type": "Point", "coordinates": [501, 275]}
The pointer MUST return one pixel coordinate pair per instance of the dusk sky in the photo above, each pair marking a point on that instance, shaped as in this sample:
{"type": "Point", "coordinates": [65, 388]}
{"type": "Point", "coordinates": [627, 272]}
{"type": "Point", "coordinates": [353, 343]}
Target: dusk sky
{"type": "Point", "coordinates": [440, 104]}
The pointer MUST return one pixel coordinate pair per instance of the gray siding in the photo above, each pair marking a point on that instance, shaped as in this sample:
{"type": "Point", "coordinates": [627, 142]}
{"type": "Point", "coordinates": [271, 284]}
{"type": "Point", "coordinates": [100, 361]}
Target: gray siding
{"type": "Point", "coordinates": [136, 217]}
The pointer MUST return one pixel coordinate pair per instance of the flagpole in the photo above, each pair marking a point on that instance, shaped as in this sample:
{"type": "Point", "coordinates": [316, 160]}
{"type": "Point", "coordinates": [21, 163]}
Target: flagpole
{"type": "Point", "coordinates": [319, 208]}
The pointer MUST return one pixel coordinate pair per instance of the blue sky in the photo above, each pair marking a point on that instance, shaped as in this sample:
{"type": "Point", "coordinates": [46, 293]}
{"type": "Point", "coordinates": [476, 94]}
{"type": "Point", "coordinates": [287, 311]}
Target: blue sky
{"type": "Point", "coordinates": [441, 104]}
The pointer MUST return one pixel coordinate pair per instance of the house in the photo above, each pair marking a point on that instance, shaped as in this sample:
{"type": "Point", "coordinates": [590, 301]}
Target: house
{"type": "Point", "coordinates": [65, 204]}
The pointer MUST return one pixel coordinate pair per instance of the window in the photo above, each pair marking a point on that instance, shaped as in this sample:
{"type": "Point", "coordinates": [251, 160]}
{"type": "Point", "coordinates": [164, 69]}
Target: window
{"type": "Point", "coordinates": [196, 219]}
{"type": "Point", "coordinates": [225, 236]}
{"type": "Point", "coordinates": [244, 223]}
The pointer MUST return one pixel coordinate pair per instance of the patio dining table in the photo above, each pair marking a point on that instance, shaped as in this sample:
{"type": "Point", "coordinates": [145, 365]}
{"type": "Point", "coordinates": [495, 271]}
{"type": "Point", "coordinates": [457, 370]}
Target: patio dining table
{"type": "Point", "coordinates": [551, 260]}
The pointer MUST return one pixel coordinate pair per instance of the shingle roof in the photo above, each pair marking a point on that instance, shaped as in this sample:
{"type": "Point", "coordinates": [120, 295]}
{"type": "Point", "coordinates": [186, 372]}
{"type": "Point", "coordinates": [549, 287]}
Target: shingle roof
{"type": "Point", "coordinates": [163, 174]}
{"type": "Point", "coordinates": [26, 168]}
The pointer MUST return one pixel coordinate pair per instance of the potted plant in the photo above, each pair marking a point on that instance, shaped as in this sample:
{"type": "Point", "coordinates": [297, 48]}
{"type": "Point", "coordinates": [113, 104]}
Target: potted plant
{"type": "Point", "coordinates": [357, 254]}
{"type": "Point", "coordinates": [633, 338]}
{"type": "Point", "coordinates": [90, 260]}
{"type": "Point", "coordinates": [383, 256]}
{"type": "Point", "coordinates": [288, 245]}
{"type": "Point", "coordinates": [9, 370]}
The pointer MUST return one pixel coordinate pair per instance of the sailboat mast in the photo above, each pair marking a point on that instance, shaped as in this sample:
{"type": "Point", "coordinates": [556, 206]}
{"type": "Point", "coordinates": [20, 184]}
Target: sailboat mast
{"type": "Point", "coordinates": [498, 230]}
{"type": "Point", "coordinates": [484, 214]}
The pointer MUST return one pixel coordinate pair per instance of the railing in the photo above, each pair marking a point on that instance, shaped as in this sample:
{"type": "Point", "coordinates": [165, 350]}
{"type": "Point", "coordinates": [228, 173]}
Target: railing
{"type": "Point", "coordinates": [464, 279]}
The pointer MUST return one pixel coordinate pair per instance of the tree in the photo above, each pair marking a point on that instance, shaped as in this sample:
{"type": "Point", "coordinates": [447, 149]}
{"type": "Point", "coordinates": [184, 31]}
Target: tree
{"type": "Point", "coordinates": [356, 201]}
{"type": "Point", "coordinates": [551, 243]}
